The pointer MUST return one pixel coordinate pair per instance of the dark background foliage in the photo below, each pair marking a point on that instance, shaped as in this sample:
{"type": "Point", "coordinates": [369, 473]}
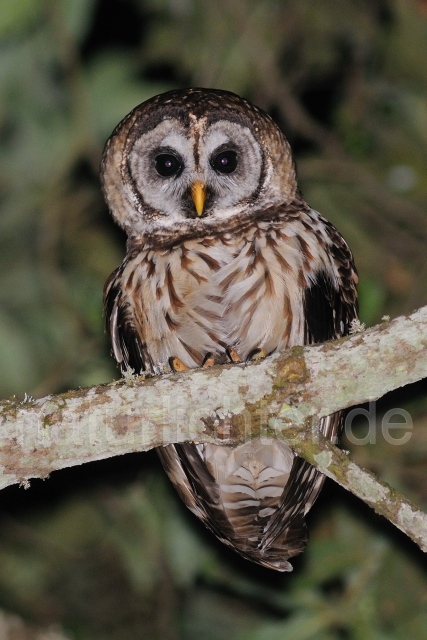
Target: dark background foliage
{"type": "Point", "coordinates": [107, 551]}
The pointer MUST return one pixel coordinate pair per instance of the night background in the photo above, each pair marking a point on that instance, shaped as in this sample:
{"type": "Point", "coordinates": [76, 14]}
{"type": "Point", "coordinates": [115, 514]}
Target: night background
{"type": "Point", "coordinates": [107, 551]}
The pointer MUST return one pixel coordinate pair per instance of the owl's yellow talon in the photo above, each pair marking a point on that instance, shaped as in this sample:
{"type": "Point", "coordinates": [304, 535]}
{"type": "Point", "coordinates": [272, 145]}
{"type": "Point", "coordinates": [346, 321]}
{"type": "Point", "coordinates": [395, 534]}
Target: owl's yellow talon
{"type": "Point", "coordinates": [208, 361]}
{"type": "Point", "coordinates": [177, 365]}
{"type": "Point", "coordinates": [233, 355]}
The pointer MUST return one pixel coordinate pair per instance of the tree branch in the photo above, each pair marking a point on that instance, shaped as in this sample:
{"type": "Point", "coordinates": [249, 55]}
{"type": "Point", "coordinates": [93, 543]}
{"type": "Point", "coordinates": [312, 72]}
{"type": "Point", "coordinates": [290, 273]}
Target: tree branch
{"type": "Point", "coordinates": [283, 396]}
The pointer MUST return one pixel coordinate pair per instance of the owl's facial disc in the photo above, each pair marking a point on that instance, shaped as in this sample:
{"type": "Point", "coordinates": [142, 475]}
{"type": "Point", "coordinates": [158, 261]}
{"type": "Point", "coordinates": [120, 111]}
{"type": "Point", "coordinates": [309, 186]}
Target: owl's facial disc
{"type": "Point", "coordinates": [201, 171]}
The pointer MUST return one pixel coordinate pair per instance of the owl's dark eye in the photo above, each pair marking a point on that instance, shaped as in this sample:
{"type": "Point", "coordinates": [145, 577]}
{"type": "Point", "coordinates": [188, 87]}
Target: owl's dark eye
{"type": "Point", "coordinates": [167, 164]}
{"type": "Point", "coordinates": [225, 161]}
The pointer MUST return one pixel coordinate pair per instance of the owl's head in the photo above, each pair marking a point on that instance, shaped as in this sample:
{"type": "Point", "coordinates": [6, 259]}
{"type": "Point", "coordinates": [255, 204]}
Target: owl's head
{"type": "Point", "coordinates": [189, 158]}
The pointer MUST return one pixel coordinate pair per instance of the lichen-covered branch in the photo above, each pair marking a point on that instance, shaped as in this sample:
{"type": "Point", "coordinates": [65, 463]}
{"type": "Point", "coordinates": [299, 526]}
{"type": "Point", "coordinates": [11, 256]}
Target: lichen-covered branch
{"type": "Point", "coordinates": [283, 395]}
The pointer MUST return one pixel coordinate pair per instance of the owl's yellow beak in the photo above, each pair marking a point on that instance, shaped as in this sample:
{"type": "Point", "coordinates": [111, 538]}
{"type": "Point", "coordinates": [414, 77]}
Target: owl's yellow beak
{"type": "Point", "coordinates": [198, 193]}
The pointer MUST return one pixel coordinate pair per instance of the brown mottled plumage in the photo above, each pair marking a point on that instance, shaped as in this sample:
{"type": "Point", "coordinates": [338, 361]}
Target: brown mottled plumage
{"type": "Point", "coordinates": [223, 253]}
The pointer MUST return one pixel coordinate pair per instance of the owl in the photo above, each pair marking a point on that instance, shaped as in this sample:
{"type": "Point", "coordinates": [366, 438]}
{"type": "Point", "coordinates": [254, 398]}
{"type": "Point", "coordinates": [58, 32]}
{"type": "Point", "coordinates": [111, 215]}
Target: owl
{"type": "Point", "coordinates": [225, 262]}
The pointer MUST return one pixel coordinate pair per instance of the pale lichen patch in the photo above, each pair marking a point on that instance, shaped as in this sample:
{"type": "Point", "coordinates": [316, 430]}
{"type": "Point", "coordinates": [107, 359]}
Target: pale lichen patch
{"type": "Point", "coordinates": [323, 459]}
{"type": "Point", "coordinates": [357, 327]}
{"type": "Point", "coordinates": [130, 376]}
{"type": "Point", "coordinates": [414, 520]}
{"type": "Point", "coordinates": [291, 415]}
{"type": "Point", "coordinates": [365, 486]}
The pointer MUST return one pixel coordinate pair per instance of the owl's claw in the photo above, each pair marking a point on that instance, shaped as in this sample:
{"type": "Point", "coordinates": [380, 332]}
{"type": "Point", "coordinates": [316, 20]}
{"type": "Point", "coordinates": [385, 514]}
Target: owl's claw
{"type": "Point", "coordinates": [233, 355]}
{"type": "Point", "coordinates": [208, 360]}
{"type": "Point", "coordinates": [256, 355]}
{"type": "Point", "coordinates": [177, 365]}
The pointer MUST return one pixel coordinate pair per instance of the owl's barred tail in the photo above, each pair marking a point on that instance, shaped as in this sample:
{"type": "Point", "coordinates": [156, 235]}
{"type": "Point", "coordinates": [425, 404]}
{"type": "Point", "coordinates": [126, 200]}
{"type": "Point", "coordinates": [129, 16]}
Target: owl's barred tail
{"type": "Point", "coordinates": [253, 497]}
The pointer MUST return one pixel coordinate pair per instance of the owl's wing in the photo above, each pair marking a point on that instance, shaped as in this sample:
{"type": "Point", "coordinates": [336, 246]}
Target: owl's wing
{"type": "Point", "coordinates": [301, 491]}
{"type": "Point", "coordinates": [330, 302]}
{"type": "Point", "coordinates": [127, 344]}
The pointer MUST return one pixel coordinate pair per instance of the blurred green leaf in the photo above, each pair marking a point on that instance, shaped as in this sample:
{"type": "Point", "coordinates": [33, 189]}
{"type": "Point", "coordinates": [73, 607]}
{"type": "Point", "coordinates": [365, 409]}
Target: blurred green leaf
{"type": "Point", "coordinates": [76, 16]}
{"type": "Point", "coordinates": [18, 16]}
{"type": "Point", "coordinates": [113, 91]}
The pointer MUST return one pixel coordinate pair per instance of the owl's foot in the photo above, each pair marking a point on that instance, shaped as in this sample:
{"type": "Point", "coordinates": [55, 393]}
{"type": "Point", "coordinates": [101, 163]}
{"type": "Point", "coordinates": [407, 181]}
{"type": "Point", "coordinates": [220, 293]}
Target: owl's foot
{"type": "Point", "coordinates": [177, 365]}
{"type": "Point", "coordinates": [208, 361]}
{"type": "Point", "coordinates": [256, 355]}
{"type": "Point", "coordinates": [233, 355]}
